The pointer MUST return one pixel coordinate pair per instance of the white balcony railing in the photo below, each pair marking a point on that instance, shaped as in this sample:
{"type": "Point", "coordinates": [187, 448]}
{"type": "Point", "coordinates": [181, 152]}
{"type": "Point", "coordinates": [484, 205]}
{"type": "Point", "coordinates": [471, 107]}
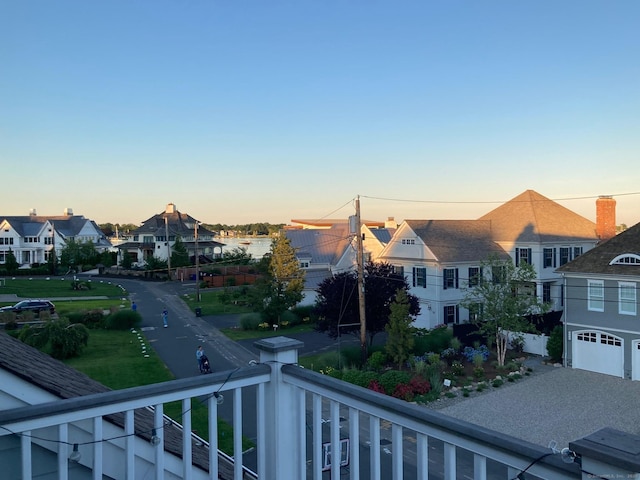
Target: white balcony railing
{"type": "Point", "coordinates": [296, 417]}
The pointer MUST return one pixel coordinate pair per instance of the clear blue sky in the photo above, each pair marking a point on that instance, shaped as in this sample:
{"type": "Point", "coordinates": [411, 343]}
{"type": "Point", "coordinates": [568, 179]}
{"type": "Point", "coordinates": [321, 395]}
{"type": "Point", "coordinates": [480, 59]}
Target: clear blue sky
{"type": "Point", "coordinates": [267, 110]}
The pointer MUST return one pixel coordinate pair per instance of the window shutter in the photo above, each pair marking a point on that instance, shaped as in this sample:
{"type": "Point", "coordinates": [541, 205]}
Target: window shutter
{"type": "Point", "coordinates": [457, 278]}
{"type": "Point", "coordinates": [517, 257]}
{"type": "Point", "coordinates": [529, 253]}
{"type": "Point", "coordinates": [554, 257]}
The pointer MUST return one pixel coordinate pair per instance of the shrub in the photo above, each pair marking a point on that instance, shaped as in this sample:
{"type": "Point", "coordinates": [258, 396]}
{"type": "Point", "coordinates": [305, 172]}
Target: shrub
{"type": "Point", "coordinates": [376, 387]}
{"type": "Point", "coordinates": [403, 392]}
{"type": "Point", "coordinates": [358, 377]}
{"type": "Point", "coordinates": [288, 318]}
{"type": "Point", "coordinates": [377, 360]}
{"type": "Point", "coordinates": [457, 369]}
{"type": "Point", "coordinates": [390, 379]}
{"type": "Point", "coordinates": [478, 373]}
{"type": "Point", "coordinates": [123, 320]}
{"type": "Point", "coordinates": [434, 340]}
{"type": "Point", "coordinates": [419, 385]}
{"type": "Point", "coordinates": [555, 344]}
{"type": "Point", "coordinates": [250, 321]}
{"type": "Point", "coordinates": [470, 352]}
{"type": "Point", "coordinates": [11, 325]}
{"type": "Point", "coordinates": [58, 338]}
{"type": "Point", "coordinates": [497, 382]}
{"type": "Point", "coordinates": [91, 319]}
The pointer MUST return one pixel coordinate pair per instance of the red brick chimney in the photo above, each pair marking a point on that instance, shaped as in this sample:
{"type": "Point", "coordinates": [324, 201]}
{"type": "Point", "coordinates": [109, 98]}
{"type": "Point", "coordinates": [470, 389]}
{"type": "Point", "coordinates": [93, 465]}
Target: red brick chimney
{"type": "Point", "coordinates": [605, 217]}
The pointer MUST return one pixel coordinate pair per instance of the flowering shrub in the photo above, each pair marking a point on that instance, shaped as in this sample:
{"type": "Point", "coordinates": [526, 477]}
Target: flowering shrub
{"type": "Point", "coordinates": [457, 369]}
{"type": "Point", "coordinates": [419, 385]}
{"type": "Point", "coordinates": [376, 387]}
{"type": "Point", "coordinates": [403, 392]}
{"type": "Point", "coordinates": [264, 325]}
{"type": "Point", "coordinates": [470, 352]}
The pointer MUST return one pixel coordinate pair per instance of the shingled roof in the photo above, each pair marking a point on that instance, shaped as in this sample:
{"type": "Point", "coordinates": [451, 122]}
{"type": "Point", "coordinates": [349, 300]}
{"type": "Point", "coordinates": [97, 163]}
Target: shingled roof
{"type": "Point", "coordinates": [531, 217]}
{"type": "Point", "coordinates": [53, 376]}
{"type": "Point", "coordinates": [320, 246]}
{"type": "Point", "coordinates": [457, 240]}
{"type": "Point", "coordinates": [598, 258]}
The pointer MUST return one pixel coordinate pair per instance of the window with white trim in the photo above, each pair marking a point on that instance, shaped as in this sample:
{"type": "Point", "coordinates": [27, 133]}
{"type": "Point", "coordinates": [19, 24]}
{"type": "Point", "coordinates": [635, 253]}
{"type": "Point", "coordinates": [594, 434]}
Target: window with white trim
{"type": "Point", "coordinates": [627, 304]}
{"type": "Point", "coordinates": [626, 259]}
{"type": "Point", "coordinates": [451, 314]}
{"type": "Point", "coordinates": [450, 278]}
{"type": "Point", "coordinates": [420, 277]}
{"type": "Point", "coordinates": [549, 257]}
{"type": "Point", "coordinates": [595, 295]}
{"type": "Point", "coordinates": [610, 340]}
{"type": "Point", "coordinates": [587, 337]}
{"type": "Point", "coordinates": [408, 241]}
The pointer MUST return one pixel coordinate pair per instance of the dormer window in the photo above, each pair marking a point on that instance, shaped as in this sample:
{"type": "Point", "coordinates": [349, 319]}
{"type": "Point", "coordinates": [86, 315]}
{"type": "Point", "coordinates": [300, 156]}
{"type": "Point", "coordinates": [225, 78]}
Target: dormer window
{"type": "Point", "coordinates": [626, 259]}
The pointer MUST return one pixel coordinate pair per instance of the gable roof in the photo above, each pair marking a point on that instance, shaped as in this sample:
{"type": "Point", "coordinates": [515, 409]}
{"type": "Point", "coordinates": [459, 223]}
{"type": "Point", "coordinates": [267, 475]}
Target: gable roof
{"type": "Point", "coordinates": [531, 217]}
{"type": "Point", "coordinates": [66, 225]}
{"type": "Point", "coordinates": [320, 246]}
{"type": "Point", "coordinates": [178, 224]}
{"type": "Point", "coordinates": [598, 258]}
{"type": "Point", "coordinates": [53, 376]}
{"type": "Point", "coordinates": [457, 240]}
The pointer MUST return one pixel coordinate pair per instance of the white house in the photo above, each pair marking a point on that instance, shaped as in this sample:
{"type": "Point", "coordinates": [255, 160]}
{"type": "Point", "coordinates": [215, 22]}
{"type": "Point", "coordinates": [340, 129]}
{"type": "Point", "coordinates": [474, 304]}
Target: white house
{"type": "Point", "coordinates": [157, 236]}
{"type": "Point", "coordinates": [440, 256]}
{"type": "Point", "coordinates": [31, 238]}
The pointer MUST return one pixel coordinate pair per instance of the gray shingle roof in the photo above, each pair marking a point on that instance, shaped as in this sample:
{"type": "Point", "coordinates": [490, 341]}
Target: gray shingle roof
{"type": "Point", "coordinates": [458, 240]}
{"type": "Point", "coordinates": [531, 217]}
{"type": "Point", "coordinates": [321, 246]}
{"type": "Point", "coordinates": [598, 258]}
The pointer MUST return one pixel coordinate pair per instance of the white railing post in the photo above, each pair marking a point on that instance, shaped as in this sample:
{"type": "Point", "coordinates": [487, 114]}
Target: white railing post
{"type": "Point", "coordinates": [283, 452]}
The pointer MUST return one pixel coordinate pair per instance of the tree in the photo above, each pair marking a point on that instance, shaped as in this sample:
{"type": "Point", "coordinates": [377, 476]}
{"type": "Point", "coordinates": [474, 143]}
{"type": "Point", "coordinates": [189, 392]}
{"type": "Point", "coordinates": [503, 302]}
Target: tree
{"type": "Point", "coordinates": [10, 262]}
{"type": "Point", "coordinates": [236, 256]}
{"type": "Point", "coordinates": [337, 301]}
{"type": "Point", "coordinates": [501, 300]}
{"type": "Point", "coordinates": [75, 254]}
{"type": "Point", "coordinates": [400, 333]}
{"type": "Point", "coordinates": [282, 288]}
{"type": "Point", "coordinates": [52, 262]}
{"type": "Point", "coordinates": [58, 338]}
{"type": "Point", "coordinates": [179, 254]}
{"type": "Point", "coordinates": [126, 261]}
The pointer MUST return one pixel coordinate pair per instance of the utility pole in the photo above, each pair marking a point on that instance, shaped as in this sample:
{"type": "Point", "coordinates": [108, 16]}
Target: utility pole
{"type": "Point", "coordinates": [197, 263]}
{"type": "Point", "coordinates": [166, 235]}
{"type": "Point", "coordinates": [360, 261]}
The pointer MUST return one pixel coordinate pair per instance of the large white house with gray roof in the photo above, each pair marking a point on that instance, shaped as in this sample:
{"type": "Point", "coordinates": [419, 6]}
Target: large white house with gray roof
{"type": "Point", "coordinates": [438, 257]}
{"type": "Point", "coordinates": [32, 238]}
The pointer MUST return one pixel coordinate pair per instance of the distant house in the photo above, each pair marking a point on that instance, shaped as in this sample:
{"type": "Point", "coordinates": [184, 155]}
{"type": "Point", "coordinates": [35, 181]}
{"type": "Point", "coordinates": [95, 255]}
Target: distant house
{"type": "Point", "coordinates": [328, 247]}
{"type": "Point", "coordinates": [32, 238]}
{"type": "Point", "coordinates": [601, 322]}
{"type": "Point", "coordinates": [29, 377]}
{"type": "Point", "coordinates": [439, 257]}
{"type": "Point", "coordinates": [157, 235]}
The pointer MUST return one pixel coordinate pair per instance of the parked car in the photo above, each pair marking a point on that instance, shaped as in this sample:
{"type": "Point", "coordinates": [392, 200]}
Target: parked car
{"type": "Point", "coordinates": [35, 306]}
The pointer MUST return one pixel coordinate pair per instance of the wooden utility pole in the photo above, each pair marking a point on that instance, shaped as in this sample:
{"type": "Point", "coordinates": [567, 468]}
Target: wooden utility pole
{"type": "Point", "coordinates": [166, 235]}
{"type": "Point", "coordinates": [197, 263]}
{"type": "Point", "coordinates": [361, 305]}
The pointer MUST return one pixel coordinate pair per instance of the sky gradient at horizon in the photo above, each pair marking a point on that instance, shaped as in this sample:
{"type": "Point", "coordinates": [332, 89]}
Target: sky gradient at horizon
{"type": "Point", "coordinates": [266, 111]}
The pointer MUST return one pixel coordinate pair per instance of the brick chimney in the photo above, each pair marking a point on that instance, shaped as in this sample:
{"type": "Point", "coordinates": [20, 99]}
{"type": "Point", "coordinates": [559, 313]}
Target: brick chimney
{"type": "Point", "coordinates": [605, 217]}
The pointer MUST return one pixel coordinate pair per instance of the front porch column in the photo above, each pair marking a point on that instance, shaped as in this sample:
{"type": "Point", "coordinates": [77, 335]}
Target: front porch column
{"type": "Point", "coordinates": [283, 452]}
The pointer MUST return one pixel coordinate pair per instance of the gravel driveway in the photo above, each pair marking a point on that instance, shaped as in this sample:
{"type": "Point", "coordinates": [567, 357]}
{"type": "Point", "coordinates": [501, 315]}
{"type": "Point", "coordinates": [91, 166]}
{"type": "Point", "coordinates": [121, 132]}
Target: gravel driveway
{"type": "Point", "coordinates": [560, 404]}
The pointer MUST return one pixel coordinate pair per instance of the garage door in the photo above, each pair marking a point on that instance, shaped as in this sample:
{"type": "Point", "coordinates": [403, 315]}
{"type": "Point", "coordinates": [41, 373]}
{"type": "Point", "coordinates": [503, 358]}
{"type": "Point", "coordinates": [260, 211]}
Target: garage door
{"type": "Point", "coordinates": [598, 352]}
{"type": "Point", "coordinates": [635, 360]}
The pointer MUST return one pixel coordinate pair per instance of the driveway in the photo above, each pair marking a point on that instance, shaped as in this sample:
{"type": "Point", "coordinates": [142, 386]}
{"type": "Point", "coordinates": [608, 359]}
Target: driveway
{"type": "Point", "coordinates": [560, 404]}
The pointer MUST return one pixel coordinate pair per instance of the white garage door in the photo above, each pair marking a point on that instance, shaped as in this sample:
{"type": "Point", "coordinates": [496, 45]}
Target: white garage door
{"type": "Point", "coordinates": [635, 360]}
{"type": "Point", "coordinates": [598, 352]}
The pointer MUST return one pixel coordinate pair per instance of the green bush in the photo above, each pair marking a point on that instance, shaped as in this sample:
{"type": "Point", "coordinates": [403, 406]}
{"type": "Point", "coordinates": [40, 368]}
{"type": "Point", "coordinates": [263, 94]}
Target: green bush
{"type": "Point", "coordinates": [555, 343]}
{"type": "Point", "coordinates": [90, 318]}
{"type": "Point", "coordinates": [390, 379]}
{"type": "Point", "coordinates": [359, 377]}
{"type": "Point", "coordinates": [250, 321]}
{"type": "Point", "coordinates": [58, 338]}
{"type": "Point", "coordinates": [289, 318]}
{"type": "Point", "coordinates": [377, 360]}
{"type": "Point", "coordinates": [123, 320]}
{"type": "Point", "coordinates": [434, 340]}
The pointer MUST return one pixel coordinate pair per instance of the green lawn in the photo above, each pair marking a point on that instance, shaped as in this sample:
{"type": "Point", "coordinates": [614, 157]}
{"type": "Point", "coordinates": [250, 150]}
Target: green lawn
{"type": "Point", "coordinates": [217, 302]}
{"type": "Point", "coordinates": [56, 287]}
{"type": "Point", "coordinates": [239, 334]}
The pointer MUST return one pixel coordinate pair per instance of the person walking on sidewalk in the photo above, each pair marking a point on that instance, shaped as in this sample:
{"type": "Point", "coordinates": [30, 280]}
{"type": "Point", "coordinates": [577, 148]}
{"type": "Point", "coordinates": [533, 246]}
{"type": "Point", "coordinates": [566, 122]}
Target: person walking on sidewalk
{"type": "Point", "coordinates": [165, 317]}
